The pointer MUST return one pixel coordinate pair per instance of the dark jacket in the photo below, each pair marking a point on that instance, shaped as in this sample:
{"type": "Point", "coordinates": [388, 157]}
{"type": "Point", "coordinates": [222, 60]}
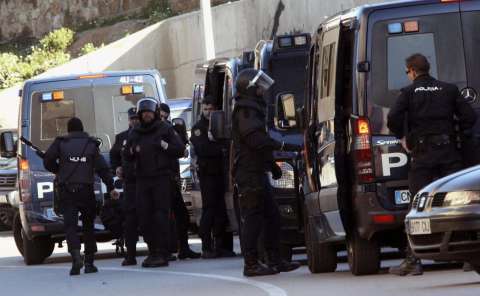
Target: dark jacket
{"type": "Point", "coordinates": [253, 147]}
{"type": "Point", "coordinates": [209, 153]}
{"type": "Point", "coordinates": [144, 149]}
{"type": "Point", "coordinates": [116, 151]}
{"type": "Point", "coordinates": [427, 108]}
{"type": "Point", "coordinates": [75, 159]}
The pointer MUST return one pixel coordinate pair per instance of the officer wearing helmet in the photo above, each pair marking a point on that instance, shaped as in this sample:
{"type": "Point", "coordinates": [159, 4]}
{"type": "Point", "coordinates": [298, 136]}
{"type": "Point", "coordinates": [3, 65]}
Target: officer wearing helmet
{"type": "Point", "coordinates": [179, 208]}
{"type": "Point", "coordinates": [253, 159]}
{"type": "Point", "coordinates": [125, 171]}
{"type": "Point", "coordinates": [74, 159]}
{"type": "Point", "coordinates": [150, 147]}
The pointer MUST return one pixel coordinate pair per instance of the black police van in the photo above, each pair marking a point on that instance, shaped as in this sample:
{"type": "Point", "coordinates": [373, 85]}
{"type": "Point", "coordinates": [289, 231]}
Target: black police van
{"type": "Point", "coordinates": [101, 101]}
{"type": "Point", "coordinates": [285, 59]}
{"type": "Point", "coordinates": [355, 181]}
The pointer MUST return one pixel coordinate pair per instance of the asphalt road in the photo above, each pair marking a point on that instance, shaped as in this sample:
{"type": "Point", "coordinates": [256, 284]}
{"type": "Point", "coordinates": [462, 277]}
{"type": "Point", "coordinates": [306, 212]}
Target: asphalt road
{"type": "Point", "coordinates": [215, 277]}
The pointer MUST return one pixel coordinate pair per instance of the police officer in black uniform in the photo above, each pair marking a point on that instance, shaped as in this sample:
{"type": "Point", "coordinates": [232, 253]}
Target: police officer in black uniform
{"type": "Point", "coordinates": [179, 209]}
{"type": "Point", "coordinates": [424, 118]}
{"type": "Point", "coordinates": [74, 159]}
{"type": "Point", "coordinates": [210, 160]}
{"type": "Point", "coordinates": [125, 171]}
{"type": "Point", "coordinates": [151, 146]}
{"type": "Point", "coordinates": [253, 152]}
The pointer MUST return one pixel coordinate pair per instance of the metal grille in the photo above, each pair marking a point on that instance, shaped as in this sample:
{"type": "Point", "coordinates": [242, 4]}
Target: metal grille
{"type": "Point", "coordinates": [438, 199]}
{"type": "Point", "coordinates": [8, 181]}
{"type": "Point", "coordinates": [427, 239]}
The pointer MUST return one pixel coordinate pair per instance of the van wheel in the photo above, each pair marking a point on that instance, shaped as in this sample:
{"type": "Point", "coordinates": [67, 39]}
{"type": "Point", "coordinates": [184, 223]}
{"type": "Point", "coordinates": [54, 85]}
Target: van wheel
{"type": "Point", "coordinates": [33, 251]}
{"type": "Point", "coordinates": [36, 250]}
{"type": "Point", "coordinates": [321, 258]}
{"type": "Point", "coordinates": [363, 255]}
{"type": "Point", "coordinates": [17, 233]}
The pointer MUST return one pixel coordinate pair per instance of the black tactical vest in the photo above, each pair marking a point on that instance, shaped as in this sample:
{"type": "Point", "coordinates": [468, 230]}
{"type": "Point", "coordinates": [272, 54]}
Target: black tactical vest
{"type": "Point", "coordinates": [77, 158]}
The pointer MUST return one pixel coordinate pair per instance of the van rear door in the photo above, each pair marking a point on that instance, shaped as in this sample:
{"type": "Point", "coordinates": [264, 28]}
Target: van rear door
{"type": "Point", "coordinates": [434, 30]}
{"type": "Point", "coordinates": [470, 15]}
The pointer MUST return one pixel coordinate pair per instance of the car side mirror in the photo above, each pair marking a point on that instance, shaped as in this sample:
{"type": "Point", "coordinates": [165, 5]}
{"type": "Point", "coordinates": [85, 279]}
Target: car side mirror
{"type": "Point", "coordinates": [218, 125]}
{"type": "Point", "coordinates": [7, 145]}
{"type": "Point", "coordinates": [286, 114]}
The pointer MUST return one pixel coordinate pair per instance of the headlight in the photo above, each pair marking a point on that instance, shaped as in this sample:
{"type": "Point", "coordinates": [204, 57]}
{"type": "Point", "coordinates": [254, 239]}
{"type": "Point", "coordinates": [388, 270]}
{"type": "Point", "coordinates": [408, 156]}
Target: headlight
{"type": "Point", "coordinates": [287, 181]}
{"type": "Point", "coordinates": [461, 198]}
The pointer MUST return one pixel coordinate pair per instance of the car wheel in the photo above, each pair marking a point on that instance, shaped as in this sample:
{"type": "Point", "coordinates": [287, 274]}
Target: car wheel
{"type": "Point", "coordinates": [363, 255]}
{"type": "Point", "coordinates": [321, 258]}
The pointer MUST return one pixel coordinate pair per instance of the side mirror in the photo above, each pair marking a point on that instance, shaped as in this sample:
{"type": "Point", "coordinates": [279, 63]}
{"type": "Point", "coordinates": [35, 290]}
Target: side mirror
{"type": "Point", "coordinates": [181, 128]}
{"type": "Point", "coordinates": [7, 145]}
{"type": "Point", "coordinates": [286, 113]}
{"type": "Point", "coordinates": [217, 125]}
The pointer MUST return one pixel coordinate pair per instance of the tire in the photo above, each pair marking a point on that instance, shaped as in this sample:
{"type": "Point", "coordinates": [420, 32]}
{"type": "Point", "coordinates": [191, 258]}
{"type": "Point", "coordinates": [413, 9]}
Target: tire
{"type": "Point", "coordinates": [6, 217]}
{"type": "Point", "coordinates": [34, 251]}
{"type": "Point", "coordinates": [321, 258]}
{"type": "Point", "coordinates": [363, 255]}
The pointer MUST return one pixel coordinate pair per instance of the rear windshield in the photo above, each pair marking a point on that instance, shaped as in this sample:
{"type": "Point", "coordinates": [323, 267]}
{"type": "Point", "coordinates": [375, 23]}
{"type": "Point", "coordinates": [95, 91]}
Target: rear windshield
{"type": "Point", "coordinates": [100, 105]}
{"type": "Point", "coordinates": [438, 38]}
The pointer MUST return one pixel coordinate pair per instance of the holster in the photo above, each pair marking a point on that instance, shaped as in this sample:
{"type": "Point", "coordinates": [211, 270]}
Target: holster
{"type": "Point", "coordinates": [58, 201]}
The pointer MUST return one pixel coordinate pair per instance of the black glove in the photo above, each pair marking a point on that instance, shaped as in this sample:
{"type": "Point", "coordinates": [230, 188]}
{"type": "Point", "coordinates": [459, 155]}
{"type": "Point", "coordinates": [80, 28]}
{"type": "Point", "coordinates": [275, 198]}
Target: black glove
{"type": "Point", "coordinates": [276, 171]}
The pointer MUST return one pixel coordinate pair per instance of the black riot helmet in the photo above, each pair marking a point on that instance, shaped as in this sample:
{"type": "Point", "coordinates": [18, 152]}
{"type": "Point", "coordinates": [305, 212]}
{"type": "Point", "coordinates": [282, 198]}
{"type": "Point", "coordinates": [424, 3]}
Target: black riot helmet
{"type": "Point", "coordinates": [147, 104]}
{"type": "Point", "coordinates": [250, 80]}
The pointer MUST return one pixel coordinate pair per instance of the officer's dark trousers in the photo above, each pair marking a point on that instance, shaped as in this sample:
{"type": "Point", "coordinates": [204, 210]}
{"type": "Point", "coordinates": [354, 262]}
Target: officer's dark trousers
{"type": "Point", "coordinates": [214, 213]}
{"type": "Point", "coordinates": [432, 162]}
{"type": "Point", "coordinates": [80, 200]}
{"type": "Point", "coordinates": [131, 217]}
{"type": "Point", "coordinates": [259, 212]}
{"type": "Point", "coordinates": [181, 216]}
{"type": "Point", "coordinates": [153, 200]}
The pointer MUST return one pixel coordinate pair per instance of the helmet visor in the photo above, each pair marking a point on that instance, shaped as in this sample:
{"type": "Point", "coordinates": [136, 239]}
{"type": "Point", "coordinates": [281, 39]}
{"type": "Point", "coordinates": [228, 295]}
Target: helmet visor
{"type": "Point", "coordinates": [262, 80]}
{"type": "Point", "coordinates": [147, 104]}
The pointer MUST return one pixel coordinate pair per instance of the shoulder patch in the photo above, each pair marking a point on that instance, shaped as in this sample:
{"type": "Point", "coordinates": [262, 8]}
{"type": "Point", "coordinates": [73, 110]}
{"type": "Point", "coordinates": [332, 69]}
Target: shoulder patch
{"type": "Point", "coordinates": [197, 132]}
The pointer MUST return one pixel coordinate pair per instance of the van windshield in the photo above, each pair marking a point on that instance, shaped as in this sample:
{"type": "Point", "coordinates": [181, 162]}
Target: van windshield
{"type": "Point", "coordinates": [434, 38]}
{"type": "Point", "coordinates": [101, 106]}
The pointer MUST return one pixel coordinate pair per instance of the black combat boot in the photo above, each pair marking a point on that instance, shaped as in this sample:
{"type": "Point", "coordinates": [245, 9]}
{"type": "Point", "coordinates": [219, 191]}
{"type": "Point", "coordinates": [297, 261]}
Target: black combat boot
{"type": "Point", "coordinates": [186, 253]}
{"type": "Point", "coordinates": [274, 261]}
{"type": "Point", "coordinates": [130, 259]}
{"type": "Point", "coordinates": [148, 260]}
{"type": "Point", "coordinates": [89, 267]}
{"type": "Point", "coordinates": [254, 268]}
{"type": "Point", "coordinates": [158, 260]}
{"type": "Point", "coordinates": [207, 250]}
{"type": "Point", "coordinates": [220, 249]}
{"type": "Point", "coordinates": [410, 266]}
{"type": "Point", "coordinates": [77, 262]}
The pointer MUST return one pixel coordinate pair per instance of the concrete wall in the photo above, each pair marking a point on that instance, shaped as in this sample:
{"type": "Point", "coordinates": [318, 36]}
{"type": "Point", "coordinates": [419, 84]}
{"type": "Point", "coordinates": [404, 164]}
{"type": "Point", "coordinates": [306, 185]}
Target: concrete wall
{"type": "Point", "coordinates": [176, 45]}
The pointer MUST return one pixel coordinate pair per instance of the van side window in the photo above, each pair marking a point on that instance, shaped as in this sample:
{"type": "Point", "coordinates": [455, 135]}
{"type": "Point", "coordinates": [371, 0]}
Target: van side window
{"type": "Point", "coordinates": [327, 60]}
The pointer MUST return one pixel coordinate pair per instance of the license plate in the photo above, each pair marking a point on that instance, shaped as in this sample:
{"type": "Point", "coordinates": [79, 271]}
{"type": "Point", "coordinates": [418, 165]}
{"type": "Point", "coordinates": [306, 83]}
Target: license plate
{"type": "Point", "coordinates": [420, 226]}
{"type": "Point", "coordinates": [402, 197]}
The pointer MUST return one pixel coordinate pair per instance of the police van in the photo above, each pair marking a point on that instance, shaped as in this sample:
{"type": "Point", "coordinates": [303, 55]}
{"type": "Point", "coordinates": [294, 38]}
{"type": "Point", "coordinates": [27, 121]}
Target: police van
{"type": "Point", "coordinates": [101, 101]}
{"type": "Point", "coordinates": [355, 181]}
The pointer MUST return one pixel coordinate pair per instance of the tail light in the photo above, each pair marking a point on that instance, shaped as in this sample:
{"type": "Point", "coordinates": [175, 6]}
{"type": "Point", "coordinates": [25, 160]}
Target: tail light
{"type": "Point", "coordinates": [25, 181]}
{"type": "Point", "coordinates": [363, 151]}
